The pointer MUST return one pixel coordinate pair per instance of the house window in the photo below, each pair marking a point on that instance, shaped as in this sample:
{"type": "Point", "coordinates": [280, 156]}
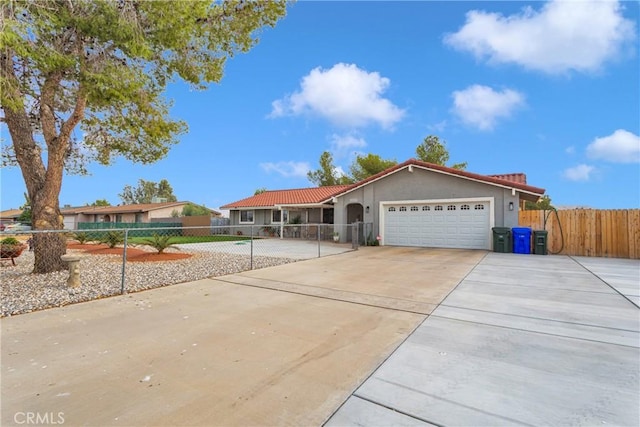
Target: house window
{"type": "Point", "coordinates": [275, 215]}
{"type": "Point", "coordinates": [246, 217]}
{"type": "Point", "coordinates": [464, 207]}
{"type": "Point", "coordinates": [438, 208]}
{"type": "Point", "coordinates": [451, 207]}
{"type": "Point", "coordinates": [403, 208]}
{"type": "Point", "coordinates": [479, 207]}
{"type": "Point", "coordinates": [118, 217]}
{"type": "Point", "coordinates": [392, 209]}
{"type": "Point", "coordinates": [138, 217]}
{"type": "Point", "coordinates": [414, 209]}
{"type": "Point", "coordinates": [426, 208]}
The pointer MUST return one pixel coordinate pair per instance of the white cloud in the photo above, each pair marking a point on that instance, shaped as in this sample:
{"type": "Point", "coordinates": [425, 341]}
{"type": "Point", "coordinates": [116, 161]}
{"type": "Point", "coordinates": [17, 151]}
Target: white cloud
{"type": "Point", "coordinates": [344, 145]}
{"type": "Point", "coordinates": [438, 127]}
{"type": "Point", "coordinates": [287, 169]}
{"type": "Point", "coordinates": [620, 147]}
{"type": "Point", "coordinates": [561, 36]}
{"type": "Point", "coordinates": [481, 106]}
{"type": "Point", "coordinates": [345, 95]}
{"type": "Point", "coordinates": [570, 150]}
{"type": "Point", "coordinates": [579, 173]}
{"type": "Point", "coordinates": [339, 171]}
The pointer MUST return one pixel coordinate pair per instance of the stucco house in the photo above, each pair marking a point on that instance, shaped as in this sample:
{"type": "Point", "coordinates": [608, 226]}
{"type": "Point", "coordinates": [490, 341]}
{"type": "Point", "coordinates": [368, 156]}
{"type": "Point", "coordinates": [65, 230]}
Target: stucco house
{"type": "Point", "coordinates": [9, 216]}
{"type": "Point", "coordinates": [147, 212]}
{"type": "Point", "coordinates": [411, 204]}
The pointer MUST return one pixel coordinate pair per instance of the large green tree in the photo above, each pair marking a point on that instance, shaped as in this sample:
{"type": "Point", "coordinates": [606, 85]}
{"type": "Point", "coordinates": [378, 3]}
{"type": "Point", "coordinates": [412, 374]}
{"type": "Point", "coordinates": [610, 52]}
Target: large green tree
{"type": "Point", "coordinates": [544, 203]}
{"type": "Point", "coordinates": [433, 150]}
{"type": "Point", "coordinates": [146, 192]}
{"type": "Point", "coordinates": [365, 166]}
{"type": "Point", "coordinates": [192, 209]}
{"type": "Point", "coordinates": [83, 80]}
{"type": "Point", "coordinates": [327, 174]}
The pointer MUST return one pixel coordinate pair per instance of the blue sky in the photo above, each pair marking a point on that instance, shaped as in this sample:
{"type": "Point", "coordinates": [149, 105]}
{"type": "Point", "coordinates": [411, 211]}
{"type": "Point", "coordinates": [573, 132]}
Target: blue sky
{"type": "Point", "coordinates": [549, 89]}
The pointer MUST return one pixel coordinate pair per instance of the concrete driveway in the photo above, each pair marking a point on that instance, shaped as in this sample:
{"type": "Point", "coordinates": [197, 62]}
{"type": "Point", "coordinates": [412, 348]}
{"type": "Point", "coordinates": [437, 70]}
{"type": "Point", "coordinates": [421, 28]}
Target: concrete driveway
{"type": "Point", "coordinates": [510, 340]}
{"type": "Point", "coordinates": [280, 346]}
{"type": "Point", "coordinates": [523, 340]}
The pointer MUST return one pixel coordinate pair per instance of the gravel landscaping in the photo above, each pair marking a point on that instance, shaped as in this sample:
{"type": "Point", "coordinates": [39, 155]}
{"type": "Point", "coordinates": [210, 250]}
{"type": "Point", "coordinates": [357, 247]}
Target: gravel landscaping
{"type": "Point", "coordinates": [23, 292]}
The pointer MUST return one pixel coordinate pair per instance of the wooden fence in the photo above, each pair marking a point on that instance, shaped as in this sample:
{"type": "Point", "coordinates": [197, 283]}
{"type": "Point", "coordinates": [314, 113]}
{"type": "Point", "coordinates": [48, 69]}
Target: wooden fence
{"type": "Point", "coordinates": [589, 232]}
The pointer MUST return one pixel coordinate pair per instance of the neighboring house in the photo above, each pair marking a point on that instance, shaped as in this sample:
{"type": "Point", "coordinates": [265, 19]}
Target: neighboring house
{"type": "Point", "coordinates": [141, 213]}
{"type": "Point", "coordinates": [10, 216]}
{"type": "Point", "coordinates": [411, 204]}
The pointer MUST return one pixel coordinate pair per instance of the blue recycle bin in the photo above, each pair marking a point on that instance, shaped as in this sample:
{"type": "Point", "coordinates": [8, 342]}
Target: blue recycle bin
{"type": "Point", "coordinates": [521, 240]}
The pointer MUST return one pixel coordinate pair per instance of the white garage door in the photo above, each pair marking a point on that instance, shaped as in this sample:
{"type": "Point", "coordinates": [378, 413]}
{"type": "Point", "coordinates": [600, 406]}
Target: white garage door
{"type": "Point", "coordinates": [69, 222]}
{"type": "Point", "coordinates": [438, 225]}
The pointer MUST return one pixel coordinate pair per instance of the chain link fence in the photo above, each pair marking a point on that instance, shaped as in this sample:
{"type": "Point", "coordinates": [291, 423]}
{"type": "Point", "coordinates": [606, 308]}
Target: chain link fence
{"type": "Point", "coordinates": [41, 269]}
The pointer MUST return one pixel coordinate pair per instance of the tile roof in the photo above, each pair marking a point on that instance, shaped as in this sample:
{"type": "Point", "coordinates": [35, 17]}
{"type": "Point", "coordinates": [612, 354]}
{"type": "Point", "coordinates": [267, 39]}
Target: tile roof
{"type": "Point", "coordinates": [513, 177]}
{"type": "Point", "coordinates": [324, 194]}
{"type": "Point", "coordinates": [464, 174]}
{"type": "Point", "coordinates": [299, 196]}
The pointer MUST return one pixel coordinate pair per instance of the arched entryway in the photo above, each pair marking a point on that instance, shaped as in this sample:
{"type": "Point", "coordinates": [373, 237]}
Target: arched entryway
{"type": "Point", "coordinates": [106, 218]}
{"type": "Point", "coordinates": [354, 214]}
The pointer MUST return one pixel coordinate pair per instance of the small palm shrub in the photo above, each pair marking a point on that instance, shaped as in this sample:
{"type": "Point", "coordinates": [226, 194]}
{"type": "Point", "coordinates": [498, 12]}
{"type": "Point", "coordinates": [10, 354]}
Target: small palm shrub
{"type": "Point", "coordinates": [160, 243]}
{"type": "Point", "coordinates": [113, 238]}
{"type": "Point", "coordinates": [81, 237]}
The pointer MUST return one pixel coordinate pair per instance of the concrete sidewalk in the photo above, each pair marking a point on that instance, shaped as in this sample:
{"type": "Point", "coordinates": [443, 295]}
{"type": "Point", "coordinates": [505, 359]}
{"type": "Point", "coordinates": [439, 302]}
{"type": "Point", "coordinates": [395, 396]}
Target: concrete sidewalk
{"type": "Point", "coordinates": [523, 340]}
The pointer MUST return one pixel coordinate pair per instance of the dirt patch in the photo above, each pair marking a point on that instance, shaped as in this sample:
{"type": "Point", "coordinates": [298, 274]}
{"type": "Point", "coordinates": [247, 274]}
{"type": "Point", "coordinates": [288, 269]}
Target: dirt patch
{"type": "Point", "coordinates": [133, 254]}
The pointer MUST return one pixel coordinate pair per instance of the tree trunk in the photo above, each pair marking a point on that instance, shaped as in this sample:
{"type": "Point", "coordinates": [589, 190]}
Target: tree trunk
{"type": "Point", "coordinates": [43, 184]}
{"type": "Point", "coordinates": [47, 247]}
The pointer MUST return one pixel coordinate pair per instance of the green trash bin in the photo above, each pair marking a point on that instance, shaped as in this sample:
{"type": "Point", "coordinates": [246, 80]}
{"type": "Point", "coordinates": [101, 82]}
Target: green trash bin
{"type": "Point", "coordinates": [540, 242]}
{"type": "Point", "coordinates": [502, 240]}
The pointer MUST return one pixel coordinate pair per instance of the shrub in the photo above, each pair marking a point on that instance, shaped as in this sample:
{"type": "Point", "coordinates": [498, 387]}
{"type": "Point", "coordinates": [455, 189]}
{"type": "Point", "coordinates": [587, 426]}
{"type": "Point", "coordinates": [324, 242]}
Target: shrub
{"type": "Point", "coordinates": [160, 243]}
{"type": "Point", "coordinates": [295, 220]}
{"type": "Point", "coordinates": [271, 231]}
{"type": "Point", "coordinates": [373, 241]}
{"type": "Point", "coordinates": [81, 237]}
{"type": "Point", "coordinates": [113, 238]}
{"type": "Point", "coordinates": [10, 241]}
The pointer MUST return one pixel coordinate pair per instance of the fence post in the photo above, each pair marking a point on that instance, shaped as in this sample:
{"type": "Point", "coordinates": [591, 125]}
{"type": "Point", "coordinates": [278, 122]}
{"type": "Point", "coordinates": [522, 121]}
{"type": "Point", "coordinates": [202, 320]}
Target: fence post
{"type": "Point", "coordinates": [355, 235]}
{"type": "Point", "coordinates": [124, 260]}
{"type": "Point", "coordinates": [318, 228]}
{"type": "Point", "coordinates": [251, 256]}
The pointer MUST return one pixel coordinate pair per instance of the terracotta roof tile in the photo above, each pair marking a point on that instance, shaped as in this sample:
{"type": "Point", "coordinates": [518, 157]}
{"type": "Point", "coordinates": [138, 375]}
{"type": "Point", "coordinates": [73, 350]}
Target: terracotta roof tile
{"type": "Point", "coordinates": [297, 196]}
{"type": "Point", "coordinates": [324, 194]}
{"type": "Point", "coordinates": [513, 177]}
{"type": "Point", "coordinates": [432, 166]}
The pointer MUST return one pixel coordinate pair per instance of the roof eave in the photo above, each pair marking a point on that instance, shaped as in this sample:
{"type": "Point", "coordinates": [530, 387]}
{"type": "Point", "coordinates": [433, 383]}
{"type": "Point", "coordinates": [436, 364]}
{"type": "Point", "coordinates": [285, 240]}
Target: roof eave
{"type": "Point", "coordinates": [534, 191]}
